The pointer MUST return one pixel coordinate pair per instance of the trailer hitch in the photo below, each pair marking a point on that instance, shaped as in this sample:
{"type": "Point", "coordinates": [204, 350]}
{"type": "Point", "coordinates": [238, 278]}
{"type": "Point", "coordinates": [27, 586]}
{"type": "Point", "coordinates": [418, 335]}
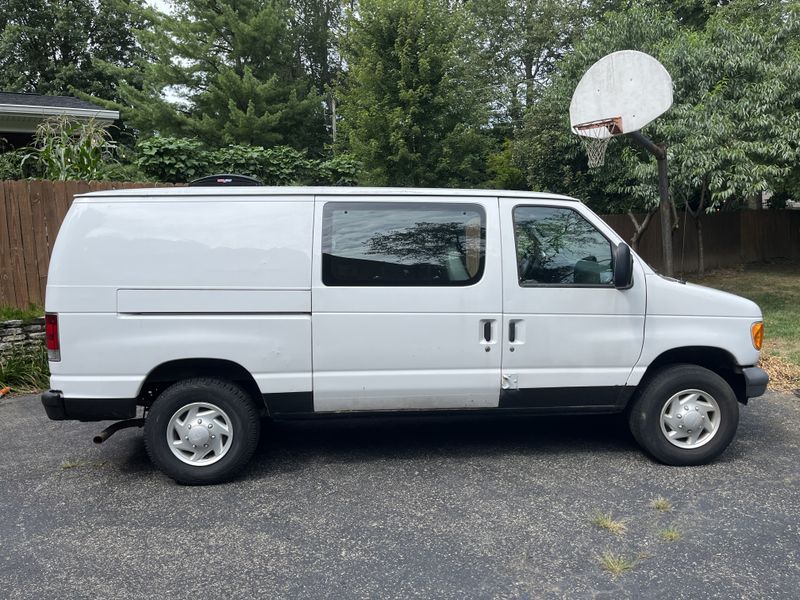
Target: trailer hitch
{"type": "Point", "coordinates": [115, 427]}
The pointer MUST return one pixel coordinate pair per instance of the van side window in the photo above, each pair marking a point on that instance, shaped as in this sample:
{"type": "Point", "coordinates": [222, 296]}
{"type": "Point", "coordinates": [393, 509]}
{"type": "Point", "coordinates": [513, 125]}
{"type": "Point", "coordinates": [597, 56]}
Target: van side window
{"type": "Point", "coordinates": [557, 246]}
{"type": "Point", "coordinates": [402, 244]}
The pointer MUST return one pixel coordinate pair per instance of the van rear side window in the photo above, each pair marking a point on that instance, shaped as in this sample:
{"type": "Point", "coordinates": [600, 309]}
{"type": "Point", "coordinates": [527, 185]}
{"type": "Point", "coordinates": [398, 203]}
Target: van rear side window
{"type": "Point", "coordinates": [402, 244]}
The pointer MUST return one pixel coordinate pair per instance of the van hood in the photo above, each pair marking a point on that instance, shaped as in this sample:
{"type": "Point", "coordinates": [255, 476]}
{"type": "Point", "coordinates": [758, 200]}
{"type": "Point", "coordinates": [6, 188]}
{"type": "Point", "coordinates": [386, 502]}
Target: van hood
{"type": "Point", "coordinates": [671, 297]}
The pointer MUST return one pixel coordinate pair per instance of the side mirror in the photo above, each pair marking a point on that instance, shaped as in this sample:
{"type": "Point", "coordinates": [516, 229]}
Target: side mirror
{"type": "Point", "coordinates": [623, 267]}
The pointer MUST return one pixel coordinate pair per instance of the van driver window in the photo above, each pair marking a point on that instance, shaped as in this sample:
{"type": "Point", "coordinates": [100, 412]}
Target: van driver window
{"type": "Point", "coordinates": [402, 244]}
{"type": "Point", "coordinates": [557, 246]}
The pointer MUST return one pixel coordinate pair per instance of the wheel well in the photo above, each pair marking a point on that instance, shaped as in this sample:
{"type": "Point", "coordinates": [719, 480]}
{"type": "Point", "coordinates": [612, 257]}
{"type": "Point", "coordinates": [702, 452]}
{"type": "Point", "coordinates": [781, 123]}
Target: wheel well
{"type": "Point", "coordinates": [717, 360]}
{"type": "Point", "coordinates": [170, 372]}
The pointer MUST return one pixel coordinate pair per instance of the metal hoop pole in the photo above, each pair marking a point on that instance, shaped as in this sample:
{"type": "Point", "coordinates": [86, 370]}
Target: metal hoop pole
{"type": "Point", "coordinates": [660, 152]}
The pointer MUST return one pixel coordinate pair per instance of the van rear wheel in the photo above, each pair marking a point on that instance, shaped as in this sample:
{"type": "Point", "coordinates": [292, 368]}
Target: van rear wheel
{"type": "Point", "coordinates": [685, 415]}
{"type": "Point", "coordinates": [202, 431]}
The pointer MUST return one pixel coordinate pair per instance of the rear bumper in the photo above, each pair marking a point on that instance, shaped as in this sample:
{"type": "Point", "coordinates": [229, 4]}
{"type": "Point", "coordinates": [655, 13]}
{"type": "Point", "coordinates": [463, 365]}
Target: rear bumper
{"type": "Point", "coordinates": [755, 380]}
{"type": "Point", "coordinates": [59, 408]}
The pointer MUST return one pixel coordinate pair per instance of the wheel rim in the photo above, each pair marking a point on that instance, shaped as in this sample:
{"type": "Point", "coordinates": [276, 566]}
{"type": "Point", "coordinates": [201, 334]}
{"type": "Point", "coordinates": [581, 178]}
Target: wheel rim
{"type": "Point", "coordinates": [690, 419]}
{"type": "Point", "coordinates": [199, 434]}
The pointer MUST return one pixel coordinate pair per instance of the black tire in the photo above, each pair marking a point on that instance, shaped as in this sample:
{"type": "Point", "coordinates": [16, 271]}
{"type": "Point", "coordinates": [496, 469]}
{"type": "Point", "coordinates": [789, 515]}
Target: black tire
{"type": "Point", "coordinates": [644, 417]}
{"type": "Point", "coordinates": [232, 399]}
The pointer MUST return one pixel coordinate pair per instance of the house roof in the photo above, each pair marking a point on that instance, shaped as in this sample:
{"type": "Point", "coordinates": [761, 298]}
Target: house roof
{"type": "Point", "coordinates": [18, 99]}
{"type": "Point", "coordinates": [23, 112]}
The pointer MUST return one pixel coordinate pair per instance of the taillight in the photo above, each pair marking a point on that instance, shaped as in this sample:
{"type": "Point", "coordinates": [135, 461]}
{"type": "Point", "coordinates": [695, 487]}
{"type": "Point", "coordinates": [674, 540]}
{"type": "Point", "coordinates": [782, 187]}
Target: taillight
{"type": "Point", "coordinates": [51, 336]}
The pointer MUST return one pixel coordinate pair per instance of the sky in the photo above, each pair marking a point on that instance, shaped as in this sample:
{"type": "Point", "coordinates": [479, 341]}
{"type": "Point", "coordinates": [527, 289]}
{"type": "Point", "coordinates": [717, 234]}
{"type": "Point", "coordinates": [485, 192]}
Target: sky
{"type": "Point", "coordinates": [162, 5]}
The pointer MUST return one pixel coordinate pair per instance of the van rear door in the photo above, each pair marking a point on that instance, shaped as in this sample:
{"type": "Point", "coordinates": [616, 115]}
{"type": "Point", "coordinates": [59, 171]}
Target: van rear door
{"type": "Point", "coordinates": [407, 303]}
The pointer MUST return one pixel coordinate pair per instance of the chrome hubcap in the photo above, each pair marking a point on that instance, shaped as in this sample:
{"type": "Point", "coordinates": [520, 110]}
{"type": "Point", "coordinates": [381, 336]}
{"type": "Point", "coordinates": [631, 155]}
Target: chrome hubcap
{"type": "Point", "coordinates": [690, 419]}
{"type": "Point", "coordinates": [199, 433]}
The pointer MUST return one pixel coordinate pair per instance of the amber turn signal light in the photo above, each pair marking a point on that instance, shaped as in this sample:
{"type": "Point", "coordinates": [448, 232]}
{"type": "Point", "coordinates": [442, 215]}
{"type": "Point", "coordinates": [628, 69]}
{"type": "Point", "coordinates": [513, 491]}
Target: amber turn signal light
{"type": "Point", "coordinates": [757, 333]}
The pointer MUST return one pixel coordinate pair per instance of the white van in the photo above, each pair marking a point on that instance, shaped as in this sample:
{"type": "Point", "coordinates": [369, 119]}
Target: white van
{"type": "Point", "coordinates": [212, 307]}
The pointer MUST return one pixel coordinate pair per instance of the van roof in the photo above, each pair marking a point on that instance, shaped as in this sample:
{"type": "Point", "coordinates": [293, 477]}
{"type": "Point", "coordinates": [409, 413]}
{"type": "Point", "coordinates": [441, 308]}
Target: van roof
{"type": "Point", "coordinates": [199, 193]}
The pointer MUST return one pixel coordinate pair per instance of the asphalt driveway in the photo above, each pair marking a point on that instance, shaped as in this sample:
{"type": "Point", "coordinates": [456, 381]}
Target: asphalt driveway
{"type": "Point", "coordinates": [427, 508]}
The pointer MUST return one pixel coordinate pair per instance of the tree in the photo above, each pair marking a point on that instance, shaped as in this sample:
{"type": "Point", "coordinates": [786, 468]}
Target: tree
{"type": "Point", "coordinates": [235, 67]}
{"type": "Point", "coordinates": [550, 153]}
{"type": "Point", "coordinates": [731, 133]}
{"type": "Point", "coordinates": [317, 24]}
{"type": "Point", "coordinates": [69, 47]}
{"type": "Point", "coordinates": [521, 42]}
{"type": "Point", "coordinates": [413, 106]}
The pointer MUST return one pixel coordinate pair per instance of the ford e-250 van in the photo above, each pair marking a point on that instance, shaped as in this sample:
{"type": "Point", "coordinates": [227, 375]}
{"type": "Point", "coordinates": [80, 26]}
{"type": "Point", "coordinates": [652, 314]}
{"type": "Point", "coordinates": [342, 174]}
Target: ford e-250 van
{"type": "Point", "coordinates": [211, 308]}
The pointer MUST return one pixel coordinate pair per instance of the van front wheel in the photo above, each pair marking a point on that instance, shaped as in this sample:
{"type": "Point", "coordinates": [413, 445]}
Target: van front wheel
{"type": "Point", "coordinates": [685, 415]}
{"type": "Point", "coordinates": [202, 431]}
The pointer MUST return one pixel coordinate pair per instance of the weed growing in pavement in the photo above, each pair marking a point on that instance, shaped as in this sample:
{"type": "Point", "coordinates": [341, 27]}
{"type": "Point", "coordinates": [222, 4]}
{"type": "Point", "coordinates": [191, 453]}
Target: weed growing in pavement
{"type": "Point", "coordinates": [661, 504]}
{"type": "Point", "coordinates": [670, 534]}
{"type": "Point", "coordinates": [606, 521]}
{"type": "Point", "coordinates": [615, 564]}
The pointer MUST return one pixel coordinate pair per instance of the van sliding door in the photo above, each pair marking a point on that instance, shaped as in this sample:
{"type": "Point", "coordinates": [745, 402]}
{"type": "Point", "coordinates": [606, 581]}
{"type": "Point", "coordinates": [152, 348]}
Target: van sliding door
{"type": "Point", "coordinates": [406, 302]}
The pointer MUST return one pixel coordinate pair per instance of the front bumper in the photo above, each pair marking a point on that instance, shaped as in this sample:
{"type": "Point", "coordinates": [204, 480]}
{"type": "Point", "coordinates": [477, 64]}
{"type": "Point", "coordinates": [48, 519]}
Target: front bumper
{"type": "Point", "coordinates": [755, 381]}
{"type": "Point", "coordinates": [59, 408]}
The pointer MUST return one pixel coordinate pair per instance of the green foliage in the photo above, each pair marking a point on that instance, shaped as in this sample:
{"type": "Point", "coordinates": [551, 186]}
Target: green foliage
{"type": "Point", "coordinates": [179, 160]}
{"type": "Point", "coordinates": [731, 133]}
{"type": "Point", "coordinates": [11, 313]}
{"type": "Point", "coordinates": [235, 67]}
{"type": "Point", "coordinates": [58, 47]}
{"type": "Point", "coordinates": [280, 165]}
{"type": "Point", "coordinates": [65, 149]}
{"type": "Point", "coordinates": [172, 160]}
{"type": "Point", "coordinates": [503, 171]}
{"type": "Point", "coordinates": [25, 369]}
{"type": "Point", "coordinates": [14, 166]}
{"type": "Point", "coordinates": [341, 169]}
{"type": "Point", "coordinates": [412, 104]}
{"type": "Point", "coordinates": [520, 43]}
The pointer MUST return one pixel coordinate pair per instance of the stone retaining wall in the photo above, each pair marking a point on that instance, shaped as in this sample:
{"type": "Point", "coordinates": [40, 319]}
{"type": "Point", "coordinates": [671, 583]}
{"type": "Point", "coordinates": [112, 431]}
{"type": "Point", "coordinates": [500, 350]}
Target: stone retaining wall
{"type": "Point", "coordinates": [19, 334]}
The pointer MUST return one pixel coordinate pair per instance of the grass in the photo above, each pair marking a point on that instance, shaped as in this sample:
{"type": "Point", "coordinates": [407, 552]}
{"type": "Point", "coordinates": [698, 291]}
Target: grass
{"type": "Point", "coordinates": [775, 287]}
{"type": "Point", "coordinates": [8, 313]}
{"type": "Point", "coordinates": [615, 564]}
{"type": "Point", "coordinates": [25, 369]}
{"type": "Point", "coordinates": [606, 521]}
{"type": "Point", "coordinates": [661, 504]}
{"type": "Point", "coordinates": [670, 534]}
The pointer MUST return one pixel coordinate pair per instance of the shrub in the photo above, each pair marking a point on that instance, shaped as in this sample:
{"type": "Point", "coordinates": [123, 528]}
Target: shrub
{"type": "Point", "coordinates": [180, 160]}
{"type": "Point", "coordinates": [25, 369]}
{"type": "Point", "coordinates": [342, 169]}
{"type": "Point", "coordinates": [172, 160]}
{"type": "Point", "coordinates": [279, 165]}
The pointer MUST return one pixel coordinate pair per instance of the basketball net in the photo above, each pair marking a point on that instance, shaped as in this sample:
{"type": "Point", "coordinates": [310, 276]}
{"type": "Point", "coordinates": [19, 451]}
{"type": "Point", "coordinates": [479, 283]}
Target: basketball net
{"type": "Point", "coordinates": [595, 137]}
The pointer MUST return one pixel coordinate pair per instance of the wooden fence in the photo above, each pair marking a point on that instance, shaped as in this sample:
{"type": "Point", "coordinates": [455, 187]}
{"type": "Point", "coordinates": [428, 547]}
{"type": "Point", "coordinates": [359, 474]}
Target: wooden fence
{"type": "Point", "coordinates": [729, 238]}
{"type": "Point", "coordinates": [32, 211]}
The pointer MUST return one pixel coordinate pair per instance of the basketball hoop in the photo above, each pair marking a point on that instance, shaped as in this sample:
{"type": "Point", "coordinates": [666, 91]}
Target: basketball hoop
{"type": "Point", "coordinates": [619, 94]}
{"type": "Point", "coordinates": [595, 136]}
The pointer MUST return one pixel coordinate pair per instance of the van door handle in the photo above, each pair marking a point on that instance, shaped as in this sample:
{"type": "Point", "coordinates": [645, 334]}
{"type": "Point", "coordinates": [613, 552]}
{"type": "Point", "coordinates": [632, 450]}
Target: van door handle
{"type": "Point", "coordinates": [488, 331]}
{"type": "Point", "coordinates": [516, 332]}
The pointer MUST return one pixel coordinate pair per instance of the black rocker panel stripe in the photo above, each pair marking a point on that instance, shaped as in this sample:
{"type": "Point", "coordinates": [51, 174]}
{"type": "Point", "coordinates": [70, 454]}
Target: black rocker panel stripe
{"type": "Point", "coordinates": [568, 399]}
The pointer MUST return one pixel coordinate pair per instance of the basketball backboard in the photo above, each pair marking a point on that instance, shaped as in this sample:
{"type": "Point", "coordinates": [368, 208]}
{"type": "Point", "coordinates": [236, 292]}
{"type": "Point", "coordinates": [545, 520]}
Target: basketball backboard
{"type": "Point", "coordinates": [622, 92]}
